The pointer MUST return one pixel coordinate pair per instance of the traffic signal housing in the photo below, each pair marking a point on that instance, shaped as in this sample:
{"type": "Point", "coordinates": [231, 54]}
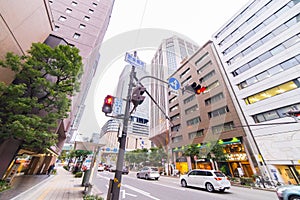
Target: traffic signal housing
{"type": "Point", "coordinates": [108, 104]}
{"type": "Point", "coordinates": [197, 88]}
{"type": "Point", "coordinates": [137, 97]}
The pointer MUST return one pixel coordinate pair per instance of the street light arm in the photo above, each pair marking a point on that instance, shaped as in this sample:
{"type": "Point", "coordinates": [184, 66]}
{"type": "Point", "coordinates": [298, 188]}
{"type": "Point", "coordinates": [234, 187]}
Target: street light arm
{"type": "Point", "coordinates": [139, 82]}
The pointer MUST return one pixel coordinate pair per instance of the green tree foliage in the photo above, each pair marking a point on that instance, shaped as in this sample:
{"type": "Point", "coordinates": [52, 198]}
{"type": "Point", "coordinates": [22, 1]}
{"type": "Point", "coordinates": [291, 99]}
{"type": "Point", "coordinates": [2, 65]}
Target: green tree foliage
{"type": "Point", "coordinates": [153, 156]}
{"type": "Point", "coordinates": [156, 155]}
{"type": "Point", "coordinates": [39, 96]}
{"type": "Point", "coordinates": [211, 150]}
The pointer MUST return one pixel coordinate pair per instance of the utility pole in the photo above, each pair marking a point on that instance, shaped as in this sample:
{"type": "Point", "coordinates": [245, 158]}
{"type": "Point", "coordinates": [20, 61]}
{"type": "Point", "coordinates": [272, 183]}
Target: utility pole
{"type": "Point", "coordinates": [116, 184]}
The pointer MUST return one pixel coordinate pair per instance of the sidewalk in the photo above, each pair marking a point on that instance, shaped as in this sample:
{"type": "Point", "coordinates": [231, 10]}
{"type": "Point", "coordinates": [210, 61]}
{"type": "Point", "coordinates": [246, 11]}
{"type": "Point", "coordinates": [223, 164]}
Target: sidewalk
{"type": "Point", "coordinates": [41, 187]}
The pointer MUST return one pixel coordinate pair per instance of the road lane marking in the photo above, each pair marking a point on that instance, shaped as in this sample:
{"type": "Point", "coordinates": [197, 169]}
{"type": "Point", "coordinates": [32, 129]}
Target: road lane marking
{"type": "Point", "coordinates": [140, 191]}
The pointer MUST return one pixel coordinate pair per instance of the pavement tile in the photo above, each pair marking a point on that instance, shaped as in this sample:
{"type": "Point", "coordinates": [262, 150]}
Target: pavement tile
{"type": "Point", "coordinates": [62, 186]}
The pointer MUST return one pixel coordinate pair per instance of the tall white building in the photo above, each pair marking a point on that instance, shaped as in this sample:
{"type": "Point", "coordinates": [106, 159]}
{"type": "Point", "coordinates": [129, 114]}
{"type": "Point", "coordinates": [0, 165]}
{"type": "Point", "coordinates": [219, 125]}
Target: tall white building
{"type": "Point", "coordinates": [165, 62]}
{"type": "Point", "coordinates": [260, 52]}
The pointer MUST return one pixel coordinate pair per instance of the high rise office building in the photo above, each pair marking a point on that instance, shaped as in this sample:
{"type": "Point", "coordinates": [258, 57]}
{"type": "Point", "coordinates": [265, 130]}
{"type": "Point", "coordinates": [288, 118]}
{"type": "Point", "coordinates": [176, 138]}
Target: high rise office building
{"type": "Point", "coordinates": [260, 52]}
{"type": "Point", "coordinates": [166, 60]}
{"type": "Point", "coordinates": [83, 24]}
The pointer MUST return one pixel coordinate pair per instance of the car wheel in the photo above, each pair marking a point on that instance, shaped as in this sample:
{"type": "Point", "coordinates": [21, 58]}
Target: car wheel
{"type": "Point", "coordinates": [209, 187]}
{"type": "Point", "coordinates": [146, 177]}
{"type": "Point", "coordinates": [222, 190]}
{"type": "Point", "coordinates": [183, 183]}
{"type": "Point", "coordinates": [294, 197]}
{"type": "Point", "coordinates": [156, 178]}
{"type": "Point", "coordinates": [138, 175]}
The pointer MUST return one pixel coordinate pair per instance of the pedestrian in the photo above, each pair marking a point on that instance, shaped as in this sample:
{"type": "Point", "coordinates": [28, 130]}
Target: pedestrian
{"type": "Point", "coordinates": [51, 167]}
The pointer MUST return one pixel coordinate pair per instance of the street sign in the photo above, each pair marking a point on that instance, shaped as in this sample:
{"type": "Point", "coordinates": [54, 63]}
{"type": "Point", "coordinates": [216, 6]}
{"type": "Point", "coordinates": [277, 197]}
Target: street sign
{"type": "Point", "coordinates": [134, 60]}
{"type": "Point", "coordinates": [117, 109]}
{"type": "Point", "coordinates": [174, 83]}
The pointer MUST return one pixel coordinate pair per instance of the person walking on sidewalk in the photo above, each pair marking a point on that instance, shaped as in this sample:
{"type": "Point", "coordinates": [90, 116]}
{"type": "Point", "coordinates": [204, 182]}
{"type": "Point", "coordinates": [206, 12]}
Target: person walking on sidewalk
{"type": "Point", "coordinates": [51, 167]}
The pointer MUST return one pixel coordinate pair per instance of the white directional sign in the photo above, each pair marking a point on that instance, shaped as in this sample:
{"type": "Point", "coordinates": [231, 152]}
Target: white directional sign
{"type": "Point", "coordinates": [117, 106]}
{"type": "Point", "coordinates": [134, 60]}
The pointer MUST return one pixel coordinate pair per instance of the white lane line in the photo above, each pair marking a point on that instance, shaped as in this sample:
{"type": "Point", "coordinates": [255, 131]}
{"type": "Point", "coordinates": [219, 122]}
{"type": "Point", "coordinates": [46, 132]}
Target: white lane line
{"type": "Point", "coordinates": [140, 191]}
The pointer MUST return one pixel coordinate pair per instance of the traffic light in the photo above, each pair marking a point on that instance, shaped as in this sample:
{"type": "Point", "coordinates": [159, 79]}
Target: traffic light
{"type": "Point", "coordinates": [197, 88]}
{"type": "Point", "coordinates": [136, 97]}
{"type": "Point", "coordinates": [108, 104]}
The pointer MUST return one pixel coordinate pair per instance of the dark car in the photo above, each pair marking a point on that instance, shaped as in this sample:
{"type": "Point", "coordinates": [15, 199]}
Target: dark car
{"type": "Point", "coordinates": [125, 170]}
{"type": "Point", "coordinates": [288, 192]}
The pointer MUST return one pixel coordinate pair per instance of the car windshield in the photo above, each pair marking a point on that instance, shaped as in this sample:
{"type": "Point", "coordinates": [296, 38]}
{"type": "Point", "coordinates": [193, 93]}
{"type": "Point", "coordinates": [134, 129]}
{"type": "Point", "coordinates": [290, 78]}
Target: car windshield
{"type": "Point", "coordinates": [219, 174]}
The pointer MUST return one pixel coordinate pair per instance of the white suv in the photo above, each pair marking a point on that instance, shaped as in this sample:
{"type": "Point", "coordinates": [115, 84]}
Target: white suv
{"type": "Point", "coordinates": [209, 179]}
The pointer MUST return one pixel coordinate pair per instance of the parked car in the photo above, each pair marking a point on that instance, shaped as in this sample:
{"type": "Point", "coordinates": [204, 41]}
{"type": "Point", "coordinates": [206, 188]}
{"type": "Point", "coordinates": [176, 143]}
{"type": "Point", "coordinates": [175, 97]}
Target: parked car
{"type": "Point", "coordinates": [100, 167]}
{"type": "Point", "coordinates": [112, 168]}
{"type": "Point", "coordinates": [211, 180]}
{"type": "Point", "coordinates": [288, 192]}
{"type": "Point", "coordinates": [125, 170]}
{"type": "Point", "coordinates": [148, 173]}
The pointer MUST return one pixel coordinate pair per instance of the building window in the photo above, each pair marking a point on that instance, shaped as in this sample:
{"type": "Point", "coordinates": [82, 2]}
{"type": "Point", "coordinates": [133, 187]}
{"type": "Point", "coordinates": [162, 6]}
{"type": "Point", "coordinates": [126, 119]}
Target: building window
{"type": "Point", "coordinates": [177, 139]}
{"type": "Point", "coordinates": [212, 86]}
{"type": "Point", "coordinates": [205, 66]}
{"type": "Point", "coordinates": [175, 128]}
{"type": "Point", "coordinates": [207, 76]}
{"type": "Point", "coordinates": [285, 87]}
{"type": "Point", "coordinates": [175, 117]}
{"type": "Point", "coordinates": [184, 73]}
{"type": "Point", "coordinates": [76, 35]}
{"type": "Point", "coordinates": [193, 121]}
{"type": "Point", "coordinates": [91, 11]}
{"type": "Point", "coordinates": [191, 109]}
{"type": "Point", "coordinates": [222, 127]}
{"type": "Point", "coordinates": [62, 18]}
{"type": "Point", "coordinates": [214, 99]}
{"type": "Point", "coordinates": [86, 18]}
{"type": "Point", "coordinates": [174, 108]}
{"type": "Point", "coordinates": [218, 112]}
{"type": "Point", "coordinates": [82, 26]}
{"type": "Point", "coordinates": [74, 3]}
{"type": "Point", "coordinates": [68, 10]}
{"type": "Point", "coordinates": [195, 134]}
{"type": "Point", "coordinates": [183, 83]}
{"type": "Point", "coordinates": [173, 99]}
{"type": "Point", "coordinates": [95, 5]}
{"type": "Point", "coordinates": [274, 114]}
{"type": "Point", "coordinates": [189, 99]}
{"type": "Point", "coordinates": [56, 28]}
{"type": "Point", "coordinates": [201, 58]}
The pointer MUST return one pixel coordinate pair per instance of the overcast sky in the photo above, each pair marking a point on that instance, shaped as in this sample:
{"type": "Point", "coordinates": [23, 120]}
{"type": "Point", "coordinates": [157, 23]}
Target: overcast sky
{"type": "Point", "coordinates": [195, 19]}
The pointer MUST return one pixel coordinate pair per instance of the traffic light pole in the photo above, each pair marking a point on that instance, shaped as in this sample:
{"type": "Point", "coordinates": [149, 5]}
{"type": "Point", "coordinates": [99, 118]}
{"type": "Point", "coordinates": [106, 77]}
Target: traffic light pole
{"type": "Point", "coordinates": [116, 183]}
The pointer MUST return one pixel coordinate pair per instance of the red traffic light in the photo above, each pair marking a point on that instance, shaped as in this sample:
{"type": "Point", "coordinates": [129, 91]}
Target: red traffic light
{"type": "Point", "coordinates": [109, 100]}
{"type": "Point", "coordinates": [197, 88]}
{"type": "Point", "coordinates": [108, 104]}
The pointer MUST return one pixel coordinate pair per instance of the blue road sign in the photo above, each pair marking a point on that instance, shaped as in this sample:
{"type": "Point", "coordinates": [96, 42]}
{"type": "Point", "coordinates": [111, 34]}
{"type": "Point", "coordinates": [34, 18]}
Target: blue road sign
{"type": "Point", "coordinates": [134, 61]}
{"type": "Point", "coordinates": [174, 83]}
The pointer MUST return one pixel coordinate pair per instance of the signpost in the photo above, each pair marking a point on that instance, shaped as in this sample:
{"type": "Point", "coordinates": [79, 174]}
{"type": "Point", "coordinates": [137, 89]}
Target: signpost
{"type": "Point", "coordinates": [115, 184]}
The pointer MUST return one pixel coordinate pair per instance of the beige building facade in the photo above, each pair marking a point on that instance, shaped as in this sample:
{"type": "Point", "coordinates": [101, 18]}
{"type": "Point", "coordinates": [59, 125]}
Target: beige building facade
{"type": "Point", "coordinates": [206, 118]}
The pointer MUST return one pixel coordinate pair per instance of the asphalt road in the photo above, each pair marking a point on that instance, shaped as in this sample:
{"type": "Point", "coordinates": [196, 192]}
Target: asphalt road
{"type": "Point", "coordinates": [167, 188]}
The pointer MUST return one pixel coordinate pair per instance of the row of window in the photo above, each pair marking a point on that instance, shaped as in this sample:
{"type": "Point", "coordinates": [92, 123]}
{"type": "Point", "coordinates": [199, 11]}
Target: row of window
{"type": "Point", "coordinates": [277, 90]}
{"type": "Point", "coordinates": [274, 114]}
{"type": "Point", "coordinates": [243, 13]}
{"type": "Point", "coordinates": [265, 39]}
{"type": "Point", "coordinates": [228, 126]}
{"type": "Point", "coordinates": [292, 62]}
{"type": "Point", "coordinates": [255, 29]}
{"type": "Point", "coordinates": [268, 54]}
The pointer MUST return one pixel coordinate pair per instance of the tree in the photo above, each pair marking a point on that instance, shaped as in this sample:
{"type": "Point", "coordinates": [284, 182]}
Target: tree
{"type": "Point", "coordinates": [39, 96]}
{"type": "Point", "coordinates": [156, 155]}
